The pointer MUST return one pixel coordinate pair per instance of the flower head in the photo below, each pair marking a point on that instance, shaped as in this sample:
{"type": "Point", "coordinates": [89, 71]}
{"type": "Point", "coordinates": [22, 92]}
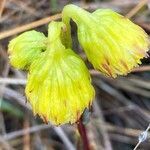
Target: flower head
{"type": "Point", "coordinates": [59, 86]}
{"type": "Point", "coordinates": [112, 43]}
{"type": "Point", "coordinates": [25, 48]}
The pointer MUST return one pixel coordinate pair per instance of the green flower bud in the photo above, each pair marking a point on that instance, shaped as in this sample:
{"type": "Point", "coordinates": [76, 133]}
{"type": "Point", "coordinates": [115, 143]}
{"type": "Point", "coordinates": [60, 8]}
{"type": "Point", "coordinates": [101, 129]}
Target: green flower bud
{"type": "Point", "coordinates": [112, 43]}
{"type": "Point", "coordinates": [25, 48]}
{"type": "Point", "coordinates": [59, 86]}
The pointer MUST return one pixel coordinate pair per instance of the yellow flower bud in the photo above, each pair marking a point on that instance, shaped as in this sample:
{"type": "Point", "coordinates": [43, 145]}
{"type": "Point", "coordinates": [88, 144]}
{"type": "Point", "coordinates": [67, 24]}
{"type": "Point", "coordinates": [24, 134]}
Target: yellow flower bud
{"type": "Point", "coordinates": [59, 86]}
{"type": "Point", "coordinates": [25, 48]}
{"type": "Point", "coordinates": [112, 43]}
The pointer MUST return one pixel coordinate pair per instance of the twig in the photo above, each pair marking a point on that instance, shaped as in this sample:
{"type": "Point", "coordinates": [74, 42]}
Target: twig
{"type": "Point", "coordinates": [29, 26]}
{"type": "Point", "coordinates": [134, 133]}
{"type": "Point", "coordinates": [136, 8]}
{"type": "Point", "coordinates": [36, 128]}
{"type": "Point", "coordinates": [4, 145]}
{"type": "Point", "coordinates": [122, 138]}
{"type": "Point", "coordinates": [121, 98]}
{"type": "Point", "coordinates": [43, 21]}
{"type": "Point", "coordinates": [19, 98]}
{"type": "Point", "coordinates": [14, 81]}
{"type": "Point", "coordinates": [107, 142]}
{"type": "Point", "coordinates": [139, 69]}
{"type": "Point", "coordinates": [2, 4]}
{"type": "Point", "coordinates": [26, 137]}
{"type": "Point", "coordinates": [64, 138]}
{"type": "Point", "coordinates": [142, 68]}
{"type": "Point", "coordinates": [15, 134]}
{"type": "Point", "coordinates": [92, 71]}
{"type": "Point", "coordinates": [2, 86]}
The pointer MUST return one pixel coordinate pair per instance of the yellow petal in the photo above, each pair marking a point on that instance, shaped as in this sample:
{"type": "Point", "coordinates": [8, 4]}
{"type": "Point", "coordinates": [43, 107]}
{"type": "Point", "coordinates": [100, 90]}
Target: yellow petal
{"type": "Point", "coordinates": [59, 86]}
{"type": "Point", "coordinates": [112, 43]}
{"type": "Point", "coordinates": [59, 89]}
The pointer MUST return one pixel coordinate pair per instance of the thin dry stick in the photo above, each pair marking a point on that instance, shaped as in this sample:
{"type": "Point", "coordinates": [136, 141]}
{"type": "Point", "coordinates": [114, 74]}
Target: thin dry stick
{"type": "Point", "coordinates": [92, 71]}
{"type": "Point", "coordinates": [43, 21]}
{"type": "Point", "coordinates": [5, 74]}
{"type": "Point", "coordinates": [139, 69]}
{"type": "Point", "coordinates": [136, 8]}
{"type": "Point", "coordinates": [37, 128]}
{"type": "Point", "coordinates": [19, 98]}
{"type": "Point", "coordinates": [120, 130]}
{"type": "Point", "coordinates": [29, 26]}
{"type": "Point", "coordinates": [26, 137]}
{"type": "Point", "coordinates": [107, 142]}
{"type": "Point", "coordinates": [4, 145]}
{"type": "Point", "coordinates": [16, 134]}
{"type": "Point", "coordinates": [16, 81]}
{"type": "Point", "coordinates": [13, 81]}
{"type": "Point", "coordinates": [121, 97]}
{"type": "Point", "coordinates": [64, 138]}
{"type": "Point", "coordinates": [2, 4]}
{"type": "Point", "coordinates": [142, 68]}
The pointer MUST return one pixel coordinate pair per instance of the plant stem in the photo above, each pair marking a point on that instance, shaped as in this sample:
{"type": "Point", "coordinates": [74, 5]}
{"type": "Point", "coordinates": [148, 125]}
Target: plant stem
{"type": "Point", "coordinates": [83, 134]}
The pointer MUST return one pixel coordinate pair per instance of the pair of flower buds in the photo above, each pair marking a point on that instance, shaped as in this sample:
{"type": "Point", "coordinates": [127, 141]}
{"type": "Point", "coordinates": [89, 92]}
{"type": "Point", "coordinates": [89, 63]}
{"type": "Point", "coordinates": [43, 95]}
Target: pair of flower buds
{"type": "Point", "coordinates": [59, 85]}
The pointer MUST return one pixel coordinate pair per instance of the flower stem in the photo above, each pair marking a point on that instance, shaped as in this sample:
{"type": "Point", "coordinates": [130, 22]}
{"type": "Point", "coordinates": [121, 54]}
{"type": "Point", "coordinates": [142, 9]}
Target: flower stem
{"type": "Point", "coordinates": [78, 15]}
{"type": "Point", "coordinates": [83, 134]}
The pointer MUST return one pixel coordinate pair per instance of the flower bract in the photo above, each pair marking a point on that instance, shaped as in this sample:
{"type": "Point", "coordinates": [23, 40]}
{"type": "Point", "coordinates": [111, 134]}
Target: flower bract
{"type": "Point", "coordinates": [112, 43]}
{"type": "Point", "coordinates": [59, 86]}
{"type": "Point", "coordinates": [25, 48]}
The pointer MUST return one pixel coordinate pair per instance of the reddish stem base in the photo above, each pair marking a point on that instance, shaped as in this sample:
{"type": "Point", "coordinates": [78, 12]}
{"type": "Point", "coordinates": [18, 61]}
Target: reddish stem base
{"type": "Point", "coordinates": [83, 134]}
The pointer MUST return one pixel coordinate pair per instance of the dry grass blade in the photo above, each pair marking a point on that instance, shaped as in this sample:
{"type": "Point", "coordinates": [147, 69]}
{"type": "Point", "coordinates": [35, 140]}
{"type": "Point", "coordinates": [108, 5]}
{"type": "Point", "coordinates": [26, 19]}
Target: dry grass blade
{"type": "Point", "coordinates": [136, 8]}
{"type": "Point", "coordinates": [12, 81]}
{"type": "Point", "coordinates": [2, 4]}
{"type": "Point", "coordinates": [93, 72]}
{"type": "Point", "coordinates": [43, 21]}
{"type": "Point", "coordinates": [104, 132]}
{"type": "Point", "coordinates": [64, 138]}
{"type": "Point", "coordinates": [4, 145]}
{"type": "Point", "coordinates": [15, 134]}
{"type": "Point", "coordinates": [142, 68]}
{"type": "Point", "coordinates": [26, 137]}
{"type": "Point", "coordinates": [29, 26]}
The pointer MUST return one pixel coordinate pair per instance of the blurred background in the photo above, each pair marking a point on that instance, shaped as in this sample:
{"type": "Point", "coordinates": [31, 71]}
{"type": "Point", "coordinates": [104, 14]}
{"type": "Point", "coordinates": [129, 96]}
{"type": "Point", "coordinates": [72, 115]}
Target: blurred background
{"type": "Point", "coordinates": [121, 110]}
